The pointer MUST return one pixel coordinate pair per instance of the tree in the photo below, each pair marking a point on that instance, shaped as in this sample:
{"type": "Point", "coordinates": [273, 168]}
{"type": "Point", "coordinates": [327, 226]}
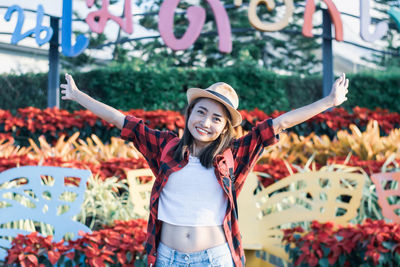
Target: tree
{"type": "Point", "coordinates": [391, 58]}
{"type": "Point", "coordinates": [285, 50]}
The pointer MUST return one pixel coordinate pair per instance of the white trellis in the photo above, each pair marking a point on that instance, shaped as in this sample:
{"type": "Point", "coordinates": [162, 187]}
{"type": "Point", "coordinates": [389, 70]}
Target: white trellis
{"type": "Point", "coordinates": [39, 197]}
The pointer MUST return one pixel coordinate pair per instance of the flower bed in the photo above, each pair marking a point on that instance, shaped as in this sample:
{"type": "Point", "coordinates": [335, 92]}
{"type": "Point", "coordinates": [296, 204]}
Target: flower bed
{"type": "Point", "coordinates": [372, 243]}
{"type": "Point", "coordinates": [368, 150]}
{"type": "Point", "coordinates": [120, 245]}
{"type": "Point", "coordinates": [32, 122]}
{"type": "Point", "coordinates": [113, 167]}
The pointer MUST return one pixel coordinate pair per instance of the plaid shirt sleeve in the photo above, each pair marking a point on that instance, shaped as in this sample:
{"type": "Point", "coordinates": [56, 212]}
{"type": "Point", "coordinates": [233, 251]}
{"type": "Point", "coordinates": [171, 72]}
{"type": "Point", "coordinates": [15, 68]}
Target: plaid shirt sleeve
{"type": "Point", "coordinates": [148, 141]}
{"type": "Point", "coordinates": [249, 147]}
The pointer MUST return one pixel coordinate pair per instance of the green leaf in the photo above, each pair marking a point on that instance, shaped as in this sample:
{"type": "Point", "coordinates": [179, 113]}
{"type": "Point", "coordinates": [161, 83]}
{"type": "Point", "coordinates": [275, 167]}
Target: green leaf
{"type": "Point", "coordinates": [326, 250]}
{"type": "Point", "coordinates": [384, 258]}
{"type": "Point", "coordinates": [323, 262]}
{"type": "Point", "coordinates": [342, 260]}
{"type": "Point", "coordinates": [388, 245]}
{"type": "Point", "coordinates": [140, 263]}
{"type": "Point", "coordinates": [297, 236]}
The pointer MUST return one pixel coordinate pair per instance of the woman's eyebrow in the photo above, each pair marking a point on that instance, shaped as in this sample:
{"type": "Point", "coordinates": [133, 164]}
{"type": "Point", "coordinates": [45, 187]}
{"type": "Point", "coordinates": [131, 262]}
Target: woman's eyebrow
{"type": "Point", "coordinates": [215, 114]}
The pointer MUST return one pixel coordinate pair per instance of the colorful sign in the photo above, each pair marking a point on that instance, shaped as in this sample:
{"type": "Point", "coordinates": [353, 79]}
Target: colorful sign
{"type": "Point", "coordinates": [196, 15]}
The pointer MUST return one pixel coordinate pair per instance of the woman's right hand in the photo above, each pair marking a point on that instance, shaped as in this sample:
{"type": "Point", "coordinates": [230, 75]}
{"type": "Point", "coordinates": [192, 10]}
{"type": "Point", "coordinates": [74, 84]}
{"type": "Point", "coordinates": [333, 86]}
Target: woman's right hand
{"type": "Point", "coordinates": [69, 90]}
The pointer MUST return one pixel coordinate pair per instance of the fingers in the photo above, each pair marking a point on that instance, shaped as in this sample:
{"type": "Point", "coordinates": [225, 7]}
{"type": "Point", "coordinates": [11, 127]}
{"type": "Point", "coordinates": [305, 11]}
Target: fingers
{"type": "Point", "coordinates": [65, 86]}
{"type": "Point", "coordinates": [342, 79]}
{"type": "Point", "coordinates": [338, 80]}
{"type": "Point", "coordinates": [64, 95]}
{"type": "Point", "coordinates": [346, 83]}
{"type": "Point", "coordinates": [68, 78]}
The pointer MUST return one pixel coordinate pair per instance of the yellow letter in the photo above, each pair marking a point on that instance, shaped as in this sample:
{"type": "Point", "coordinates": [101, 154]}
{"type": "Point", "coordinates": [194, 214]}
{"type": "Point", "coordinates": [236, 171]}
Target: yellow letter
{"type": "Point", "coordinates": [270, 4]}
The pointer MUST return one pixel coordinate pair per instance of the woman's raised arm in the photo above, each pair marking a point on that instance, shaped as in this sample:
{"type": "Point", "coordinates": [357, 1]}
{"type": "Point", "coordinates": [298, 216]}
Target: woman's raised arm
{"type": "Point", "coordinates": [336, 97]}
{"type": "Point", "coordinates": [105, 112]}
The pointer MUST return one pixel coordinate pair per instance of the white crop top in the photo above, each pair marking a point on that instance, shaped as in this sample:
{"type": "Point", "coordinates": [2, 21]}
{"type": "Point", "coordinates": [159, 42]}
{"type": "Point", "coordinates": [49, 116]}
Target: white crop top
{"type": "Point", "coordinates": [192, 197]}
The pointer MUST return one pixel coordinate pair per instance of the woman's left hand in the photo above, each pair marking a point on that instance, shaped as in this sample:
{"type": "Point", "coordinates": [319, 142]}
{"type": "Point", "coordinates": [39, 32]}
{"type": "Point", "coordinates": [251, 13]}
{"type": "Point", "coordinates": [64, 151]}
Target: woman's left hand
{"type": "Point", "coordinates": [339, 90]}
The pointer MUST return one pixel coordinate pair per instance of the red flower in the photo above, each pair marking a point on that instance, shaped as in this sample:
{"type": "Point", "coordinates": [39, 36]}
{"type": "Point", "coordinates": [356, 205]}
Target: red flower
{"type": "Point", "coordinates": [108, 245]}
{"type": "Point", "coordinates": [348, 242]}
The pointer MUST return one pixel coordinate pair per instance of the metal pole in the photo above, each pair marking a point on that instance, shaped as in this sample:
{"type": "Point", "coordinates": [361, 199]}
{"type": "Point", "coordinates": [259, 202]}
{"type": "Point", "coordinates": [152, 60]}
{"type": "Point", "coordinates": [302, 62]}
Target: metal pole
{"type": "Point", "coordinates": [327, 55]}
{"type": "Point", "coordinates": [53, 92]}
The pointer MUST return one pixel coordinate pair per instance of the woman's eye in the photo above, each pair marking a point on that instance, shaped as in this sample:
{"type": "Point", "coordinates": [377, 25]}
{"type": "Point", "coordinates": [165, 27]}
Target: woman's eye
{"type": "Point", "coordinates": [217, 119]}
{"type": "Point", "coordinates": [200, 111]}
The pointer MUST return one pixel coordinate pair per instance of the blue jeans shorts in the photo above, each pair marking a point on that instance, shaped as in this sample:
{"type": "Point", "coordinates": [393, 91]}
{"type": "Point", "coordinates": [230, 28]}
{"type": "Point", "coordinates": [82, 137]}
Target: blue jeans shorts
{"type": "Point", "coordinates": [219, 256]}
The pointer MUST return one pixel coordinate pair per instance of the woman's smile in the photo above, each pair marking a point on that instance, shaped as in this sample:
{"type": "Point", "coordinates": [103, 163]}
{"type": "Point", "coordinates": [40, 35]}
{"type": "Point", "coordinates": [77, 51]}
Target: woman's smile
{"type": "Point", "coordinates": [202, 131]}
{"type": "Point", "coordinates": [206, 122]}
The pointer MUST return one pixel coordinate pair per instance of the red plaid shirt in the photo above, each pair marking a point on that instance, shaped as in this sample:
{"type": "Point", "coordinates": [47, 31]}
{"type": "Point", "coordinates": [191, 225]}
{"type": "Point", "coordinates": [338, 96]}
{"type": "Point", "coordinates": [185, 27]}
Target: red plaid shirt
{"type": "Point", "coordinates": [245, 150]}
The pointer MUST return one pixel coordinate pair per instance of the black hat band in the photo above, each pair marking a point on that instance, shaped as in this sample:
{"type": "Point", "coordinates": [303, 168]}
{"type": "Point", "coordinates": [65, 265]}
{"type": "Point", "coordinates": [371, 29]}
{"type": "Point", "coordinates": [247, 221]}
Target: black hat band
{"type": "Point", "coordinates": [222, 97]}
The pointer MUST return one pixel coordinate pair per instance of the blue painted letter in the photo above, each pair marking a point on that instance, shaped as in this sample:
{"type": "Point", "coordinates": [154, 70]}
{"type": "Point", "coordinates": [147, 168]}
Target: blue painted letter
{"type": "Point", "coordinates": [17, 34]}
{"type": "Point", "coordinates": [39, 28]}
{"type": "Point", "coordinates": [81, 41]}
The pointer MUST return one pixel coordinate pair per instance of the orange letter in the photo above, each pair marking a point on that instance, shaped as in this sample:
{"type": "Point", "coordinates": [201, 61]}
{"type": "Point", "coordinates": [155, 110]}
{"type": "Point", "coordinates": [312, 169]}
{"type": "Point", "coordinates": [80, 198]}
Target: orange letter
{"type": "Point", "coordinates": [334, 14]}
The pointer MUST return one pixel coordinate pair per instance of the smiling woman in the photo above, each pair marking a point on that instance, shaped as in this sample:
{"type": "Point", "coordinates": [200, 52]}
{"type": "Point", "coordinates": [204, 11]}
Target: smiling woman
{"type": "Point", "coordinates": [193, 218]}
{"type": "Point", "coordinates": [210, 118]}
{"type": "Point", "coordinates": [206, 123]}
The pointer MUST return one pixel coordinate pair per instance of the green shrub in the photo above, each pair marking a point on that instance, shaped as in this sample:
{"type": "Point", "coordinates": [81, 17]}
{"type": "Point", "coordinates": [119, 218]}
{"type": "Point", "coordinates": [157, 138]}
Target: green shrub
{"type": "Point", "coordinates": [128, 87]}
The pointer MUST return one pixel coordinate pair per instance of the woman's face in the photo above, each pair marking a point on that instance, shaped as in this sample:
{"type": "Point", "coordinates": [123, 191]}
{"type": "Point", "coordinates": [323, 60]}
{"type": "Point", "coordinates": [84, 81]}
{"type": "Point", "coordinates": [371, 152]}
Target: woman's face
{"type": "Point", "coordinates": [206, 122]}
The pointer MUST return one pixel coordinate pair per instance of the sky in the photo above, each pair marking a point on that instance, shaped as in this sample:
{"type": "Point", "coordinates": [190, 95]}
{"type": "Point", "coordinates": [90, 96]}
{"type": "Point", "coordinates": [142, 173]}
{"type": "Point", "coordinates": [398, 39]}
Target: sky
{"type": "Point", "coordinates": [54, 7]}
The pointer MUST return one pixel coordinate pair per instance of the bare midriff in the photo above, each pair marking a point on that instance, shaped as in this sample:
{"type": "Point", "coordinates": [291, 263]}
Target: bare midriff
{"type": "Point", "coordinates": [190, 239]}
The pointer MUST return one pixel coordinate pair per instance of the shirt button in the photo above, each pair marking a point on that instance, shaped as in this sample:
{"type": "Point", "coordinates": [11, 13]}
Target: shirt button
{"type": "Point", "coordinates": [180, 166]}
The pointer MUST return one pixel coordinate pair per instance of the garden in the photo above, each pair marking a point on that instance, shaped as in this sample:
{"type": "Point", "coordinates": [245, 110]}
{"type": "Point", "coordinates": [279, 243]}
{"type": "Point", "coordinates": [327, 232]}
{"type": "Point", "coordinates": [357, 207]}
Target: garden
{"type": "Point", "coordinates": [362, 140]}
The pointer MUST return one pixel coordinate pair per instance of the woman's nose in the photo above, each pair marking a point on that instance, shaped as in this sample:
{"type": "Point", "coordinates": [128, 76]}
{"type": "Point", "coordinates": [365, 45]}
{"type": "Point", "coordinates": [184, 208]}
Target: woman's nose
{"type": "Point", "coordinates": [206, 122]}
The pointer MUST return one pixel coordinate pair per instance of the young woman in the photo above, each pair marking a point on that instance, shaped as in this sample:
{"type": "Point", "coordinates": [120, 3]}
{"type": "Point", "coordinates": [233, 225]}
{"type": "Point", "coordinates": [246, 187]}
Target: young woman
{"type": "Point", "coordinates": [193, 218]}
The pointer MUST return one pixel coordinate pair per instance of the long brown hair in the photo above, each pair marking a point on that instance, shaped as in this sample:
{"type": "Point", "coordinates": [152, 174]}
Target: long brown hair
{"type": "Point", "coordinates": [208, 154]}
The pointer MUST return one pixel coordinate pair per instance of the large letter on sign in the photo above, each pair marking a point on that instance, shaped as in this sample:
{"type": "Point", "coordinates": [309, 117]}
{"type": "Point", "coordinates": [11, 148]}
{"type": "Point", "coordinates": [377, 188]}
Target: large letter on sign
{"type": "Point", "coordinates": [81, 41]}
{"type": "Point", "coordinates": [381, 27]}
{"type": "Point", "coordinates": [18, 35]}
{"type": "Point", "coordinates": [197, 17]}
{"type": "Point", "coordinates": [97, 19]}
{"type": "Point", "coordinates": [334, 14]}
{"type": "Point", "coordinates": [259, 25]}
{"type": "Point", "coordinates": [395, 14]}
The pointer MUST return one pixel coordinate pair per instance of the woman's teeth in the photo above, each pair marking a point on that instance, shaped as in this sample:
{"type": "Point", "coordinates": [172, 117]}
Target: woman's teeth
{"type": "Point", "coordinates": [202, 131]}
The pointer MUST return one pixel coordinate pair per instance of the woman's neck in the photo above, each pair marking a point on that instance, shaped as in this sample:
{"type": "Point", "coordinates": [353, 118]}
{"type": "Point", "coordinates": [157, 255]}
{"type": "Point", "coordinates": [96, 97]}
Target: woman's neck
{"type": "Point", "coordinates": [195, 150]}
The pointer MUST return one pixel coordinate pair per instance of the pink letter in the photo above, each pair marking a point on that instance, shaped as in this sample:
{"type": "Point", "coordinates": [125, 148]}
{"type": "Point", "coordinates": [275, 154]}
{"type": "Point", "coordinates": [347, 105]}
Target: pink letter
{"type": "Point", "coordinates": [334, 14]}
{"type": "Point", "coordinates": [103, 15]}
{"type": "Point", "coordinates": [197, 17]}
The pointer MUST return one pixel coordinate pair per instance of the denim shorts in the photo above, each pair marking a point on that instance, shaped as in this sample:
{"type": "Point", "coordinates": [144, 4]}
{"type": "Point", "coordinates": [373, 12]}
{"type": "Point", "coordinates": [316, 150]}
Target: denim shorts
{"type": "Point", "coordinates": [219, 256]}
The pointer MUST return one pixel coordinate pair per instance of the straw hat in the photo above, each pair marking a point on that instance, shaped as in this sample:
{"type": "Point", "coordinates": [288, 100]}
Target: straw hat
{"type": "Point", "coordinates": [224, 94]}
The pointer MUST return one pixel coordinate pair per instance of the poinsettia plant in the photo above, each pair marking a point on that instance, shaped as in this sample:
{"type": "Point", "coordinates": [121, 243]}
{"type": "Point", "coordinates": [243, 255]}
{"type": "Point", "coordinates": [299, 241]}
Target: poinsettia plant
{"type": "Point", "coordinates": [372, 243]}
{"type": "Point", "coordinates": [114, 167]}
{"type": "Point", "coordinates": [118, 245]}
{"type": "Point", "coordinates": [53, 122]}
